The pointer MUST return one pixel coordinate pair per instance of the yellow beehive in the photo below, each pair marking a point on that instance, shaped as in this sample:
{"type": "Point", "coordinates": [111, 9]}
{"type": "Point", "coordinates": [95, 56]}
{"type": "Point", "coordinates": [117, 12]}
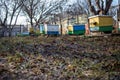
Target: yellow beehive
{"type": "Point", "coordinates": [37, 31]}
{"type": "Point", "coordinates": [100, 21]}
{"type": "Point", "coordinates": [70, 28]}
{"type": "Point", "coordinates": [31, 30]}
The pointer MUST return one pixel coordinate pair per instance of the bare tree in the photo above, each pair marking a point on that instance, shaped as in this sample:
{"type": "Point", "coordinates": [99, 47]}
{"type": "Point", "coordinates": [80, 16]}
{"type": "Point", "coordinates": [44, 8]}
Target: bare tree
{"type": "Point", "coordinates": [10, 11]}
{"type": "Point", "coordinates": [77, 8]}
{"type": "Point", "coordinates": [84, 6]}
{"type": "Point", "coordinates": [3, 18]}
{"type": "Point", "coordinates": [38, 10]}
{"type": "Point", "coordinates": [113, 10]}
{"type": "Point", "coordinates": [99, 6]}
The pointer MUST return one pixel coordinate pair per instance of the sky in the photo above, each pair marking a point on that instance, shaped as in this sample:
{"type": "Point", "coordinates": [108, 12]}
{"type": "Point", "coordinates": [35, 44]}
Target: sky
{"type": "Point", "coordinates": [21, 20]}
{"type": "Point", "coordinates": [115, 2]}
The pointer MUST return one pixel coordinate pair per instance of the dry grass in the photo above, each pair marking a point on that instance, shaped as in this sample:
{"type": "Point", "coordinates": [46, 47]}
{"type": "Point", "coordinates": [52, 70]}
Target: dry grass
{"type": "Point", "coordinates": [60, 58]}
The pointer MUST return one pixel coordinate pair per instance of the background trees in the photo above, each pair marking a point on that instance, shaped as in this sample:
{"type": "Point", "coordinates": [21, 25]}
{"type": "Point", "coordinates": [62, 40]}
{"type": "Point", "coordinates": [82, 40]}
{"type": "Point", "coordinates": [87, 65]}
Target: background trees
{"type": "Point", "coordinates": [76, 10]}
{"type": "Point", "coordinates": [99, 6]}
{"type": "Point", "coordinates": [38, 10]}
{"type": "Point", "coordinates": [9, 12]}
{"type": "Point", "coordinates": [93, 7]}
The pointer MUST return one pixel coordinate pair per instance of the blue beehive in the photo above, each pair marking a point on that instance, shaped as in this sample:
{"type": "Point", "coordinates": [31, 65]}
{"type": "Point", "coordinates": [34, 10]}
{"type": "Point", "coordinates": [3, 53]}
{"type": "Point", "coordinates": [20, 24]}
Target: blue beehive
{"type": "Point", "coordinates": [78, 27]}
{"type": "Point", "coordinates": [53, 32]}
{"type": "Point", "coordinates": [42, 30]}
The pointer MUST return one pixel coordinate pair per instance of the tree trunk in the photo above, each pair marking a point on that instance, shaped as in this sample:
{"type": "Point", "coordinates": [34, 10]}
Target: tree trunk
{"type": "Point", "coordinates": [31, 22]}
{"type": "Point", "coordinates": [91, 7]}
{"type": "Point", "coordinates": [108, 4]}
{"type": "Point", "coordinates": [102, 9]}
{"type": "Point", "coordinates": [68, 20]}
{"type": "Point", "coordinates": [3, 30]}
{"type": "Point", "coordinates": [61, 25]}
{"type": "Point", "coordinates": [77, 19]}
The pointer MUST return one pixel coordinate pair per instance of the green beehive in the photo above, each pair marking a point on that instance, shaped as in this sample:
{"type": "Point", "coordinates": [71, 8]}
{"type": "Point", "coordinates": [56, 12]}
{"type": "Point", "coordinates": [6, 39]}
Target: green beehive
{"type": "Point", "coordinates": [70, 32]}
{"type": "Point", "coordinates": [101, 23]}
{"type": "Point", "coordinates": [70, 29]}
{"type": "Point", "coordinates": [78, 32]}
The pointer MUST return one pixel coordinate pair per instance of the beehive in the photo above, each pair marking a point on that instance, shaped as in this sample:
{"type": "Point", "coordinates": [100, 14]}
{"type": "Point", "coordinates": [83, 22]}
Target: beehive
{"type": "Point", "coordinates": [37, 32]}
{"type": "Point", "coordinates": [101, 23]}
{"type": "Point", "coordinates": [42, 29]}
{"type": "Point", "coordinates": [52, 29]}
{"type": "Point", "coordinates": [70, 28]}
{"type": "Point", "coordinates": [76, 29]}
{"type": "Point", "coordinates": [31, 29]}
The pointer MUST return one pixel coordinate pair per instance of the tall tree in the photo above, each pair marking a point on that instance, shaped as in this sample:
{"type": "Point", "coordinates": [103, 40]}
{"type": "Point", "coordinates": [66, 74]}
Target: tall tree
{"type": "Point", "coordinates": [99, 6]}
{"type": "Point", "coordinates": [9, 14]}
{"type": "Point", "coordinates": [77, 8]}
{"type": "Point", "coordinates": [38, 10]}
{"type": "Point", "coordinates": [84, 6]}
